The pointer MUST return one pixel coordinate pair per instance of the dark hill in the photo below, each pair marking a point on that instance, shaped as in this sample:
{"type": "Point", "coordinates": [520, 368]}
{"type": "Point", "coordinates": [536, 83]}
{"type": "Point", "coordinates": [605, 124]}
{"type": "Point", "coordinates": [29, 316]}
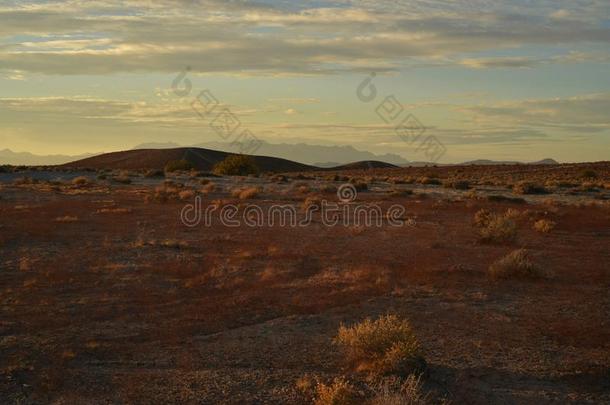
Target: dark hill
{"type": "Point", "coordinates": [364, 165]}
{"type": "Point", "coordinates": [201, 159]}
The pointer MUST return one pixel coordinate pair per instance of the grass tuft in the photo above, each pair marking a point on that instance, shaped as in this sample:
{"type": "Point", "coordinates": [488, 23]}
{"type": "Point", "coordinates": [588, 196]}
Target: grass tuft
{"type": "Point", "coordinates": [516, 264]}
{"type": "Point", "coordinates": [381, 347]}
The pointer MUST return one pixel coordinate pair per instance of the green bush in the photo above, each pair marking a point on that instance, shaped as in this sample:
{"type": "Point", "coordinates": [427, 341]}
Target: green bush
{"type": "Point", "coordinates": [178, 165]}
{"type": "Point", "coordinates": [236, 165]}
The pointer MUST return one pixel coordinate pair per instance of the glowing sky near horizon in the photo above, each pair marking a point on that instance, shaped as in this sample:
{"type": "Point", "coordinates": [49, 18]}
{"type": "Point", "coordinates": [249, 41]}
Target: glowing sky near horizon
{"type": "Point", "coordinates": [511, 79]}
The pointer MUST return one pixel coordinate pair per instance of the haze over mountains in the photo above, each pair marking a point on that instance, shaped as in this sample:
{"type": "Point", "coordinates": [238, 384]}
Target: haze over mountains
{"type": "Point", "coordinates": [324, 156]}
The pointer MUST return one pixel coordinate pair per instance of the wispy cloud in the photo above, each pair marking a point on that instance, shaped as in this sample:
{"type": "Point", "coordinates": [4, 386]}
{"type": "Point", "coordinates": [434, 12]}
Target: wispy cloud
{"type": "Point", "coordinates": [105, 37]}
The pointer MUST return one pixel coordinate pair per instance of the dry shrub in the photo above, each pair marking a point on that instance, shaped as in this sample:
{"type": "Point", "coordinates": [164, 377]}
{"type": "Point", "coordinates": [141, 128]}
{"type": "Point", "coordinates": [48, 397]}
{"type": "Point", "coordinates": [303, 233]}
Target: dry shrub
{"type": "Point", "coordinates": [169, 191]}
{"type": "Point", "coordinates": [81, 181]}
{"type": "Point", "coordinates": [209, 188]}
{"type": "Point", "coordinates": [328, 188]}
{"type": "Point", "coordinates": [482, 217]}
{"type": "Point", "coordinates": [24, 181]}
{"type": "Point", "coordinates": [544, 225]}
{"type": "Point", "coordinates": [457, 184]}
{"type": "Point", "coordinates": [495, 228]}
{"type": "Point", "coordinates": [178, 165]}
{"type": "Point", "coordinates": [122, 178]}
{"type": "Point", "coordinates": [66, 218]}
{"type": "Point", "coordinates": [588, 174]}
{"type": "Point", "coordinates": [305, 384]}
{"type": "Point", "coordinates": [401, 193]}
{"type": "Point", "coordinates": [359, 183]}
{"type": "Point", "coordinates": [278, 178]}
{"type": "Point", "coordinates": [512, 213]}
{"type": "Point", "coordinates": [113, 211]}
{"type": "Point", "coordinates": [167, 243]}
{"type": "Point", "coordinates": [340, 392]}
{"type": "Point", "coordinates": [186, 194]}
{"type": "Point", "coordinates": [526, 187]}
{"type": "Point", "coordinates": [151, 173]}
{"type": "Point", "coordinates": [429, 181]}
{"type": "Point", "coordinates": [409, 392]}
{"type": "Point", "coordinates": [503, 198]}
{"type": "Point", "coordinates": [516, 264]}
{"type": "Point", "coordinates": [383, 346]}
{"type": "Point", "coordinates": [236, 165]}
{"type": "Point", "coordinates": [312, 201]}
{"type": "Point", "coordinates": [246, 193]}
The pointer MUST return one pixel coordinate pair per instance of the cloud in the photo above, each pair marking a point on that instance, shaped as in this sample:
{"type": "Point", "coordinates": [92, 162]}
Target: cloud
{"type": "Point", "coordinates": [585, 114]}
{"type": "Point", "coordinates": [106, 37]}
{"type": "Point", "coordinates": [529, 62]}
{"type": "Point", "coordinates": [507, 62]}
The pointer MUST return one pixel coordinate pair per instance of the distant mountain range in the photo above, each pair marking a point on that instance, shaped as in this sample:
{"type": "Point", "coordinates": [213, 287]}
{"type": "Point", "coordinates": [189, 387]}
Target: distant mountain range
{"type": "Point", "coordinates": [314, 155]}
{"type": "Point", "coordinates": [300, 152]}
{"type": "Point", "coordinates": [8, 157]}
{"type": "Point", "coordinates": [484, 162]}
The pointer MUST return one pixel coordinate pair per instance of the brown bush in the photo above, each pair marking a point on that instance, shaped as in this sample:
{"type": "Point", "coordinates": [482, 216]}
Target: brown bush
{"type": "Point", "coordinates": [516, 264]}
{"type": "Point", "coordinates": [340, 392]}
{"type": "Point", "coordinates": [246, 193]}
{"type": "Point", "coordinates": [457, 184]}
{"type": "Point", "coordinates": [525, 187]}
{"type": "Point", "coordinates": [408, 392]}
{"type": "Point", "coordinates": [384, 346]}
{"type": "Point", "coordinates": [496, 228]}
{"type": "Point", "coordinates": [544, 225]}
{"type": "Point", "coordinates": [312, 201]}
{"type": "Point", "coordinates": [81, 181]}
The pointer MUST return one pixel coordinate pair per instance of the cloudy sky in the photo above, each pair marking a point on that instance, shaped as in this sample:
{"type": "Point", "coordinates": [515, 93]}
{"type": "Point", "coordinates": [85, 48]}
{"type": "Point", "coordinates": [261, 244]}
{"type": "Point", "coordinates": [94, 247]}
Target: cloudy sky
{"type": "Point", "coordinates": [493, 79]}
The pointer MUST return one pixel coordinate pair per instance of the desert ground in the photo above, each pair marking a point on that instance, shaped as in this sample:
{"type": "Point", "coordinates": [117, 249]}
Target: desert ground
{"type": "Point", "coordinates": [106, 296]}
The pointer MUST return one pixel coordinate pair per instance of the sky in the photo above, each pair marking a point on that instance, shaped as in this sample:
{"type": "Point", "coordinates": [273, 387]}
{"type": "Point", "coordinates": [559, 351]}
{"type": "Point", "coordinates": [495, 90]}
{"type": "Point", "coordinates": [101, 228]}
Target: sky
{"type": "Point", "coordinates": [484, 79]}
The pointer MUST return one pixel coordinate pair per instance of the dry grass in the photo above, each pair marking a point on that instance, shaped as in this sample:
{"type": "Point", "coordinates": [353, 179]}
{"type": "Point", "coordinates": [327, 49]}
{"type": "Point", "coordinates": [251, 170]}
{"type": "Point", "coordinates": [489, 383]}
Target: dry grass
{"type": "Point", "coordinates": [482, 217]}
{"type": "Point", "coordinates": [170, 191]}
{"type": "Point", "coordinates": [544, 225]}
{"type": "Point", "coordinates": [66, 219]}
{"type": "Point", "coordinates": [409, 392]}
{"type": "Point", "coordinates": [516, 264]}
{"type": "Point", "coordinates": [457, 184]}
{"type": "Point", "coordinates": [186, 195]}
{"type": "Point", "coordinates": [526, 187]}
{"type": "Point", "coordinates": [246, 193]}
{"type": "Point", "coordinates": [81, 181]}
{"type": "Point", "coordinates": [113, 211]}
{"type": "Point", "coordinates": [429, 181]}
{"type": "Point", "coordinates": [401, 193]}
{"type": "Point", "coordinates": [122, 178]}
{"type": "Point", "coordinates": [166, 243]}
{"type": "Point", "coordinates": [340, 392]}
{"type": "Point", "coordinates": [495, 228]}
{"type": "Point", "coordinates": [312, 201]}
{"type": "Point", "coordinates": [383, 346]}
{"type": "Point", "coordinates": [328, 188]}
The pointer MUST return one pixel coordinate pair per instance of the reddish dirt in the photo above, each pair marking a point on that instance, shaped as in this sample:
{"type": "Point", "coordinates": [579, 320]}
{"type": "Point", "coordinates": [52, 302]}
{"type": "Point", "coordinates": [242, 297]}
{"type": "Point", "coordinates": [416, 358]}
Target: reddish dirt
{"type": "Point", "coordinates": [98, 309]}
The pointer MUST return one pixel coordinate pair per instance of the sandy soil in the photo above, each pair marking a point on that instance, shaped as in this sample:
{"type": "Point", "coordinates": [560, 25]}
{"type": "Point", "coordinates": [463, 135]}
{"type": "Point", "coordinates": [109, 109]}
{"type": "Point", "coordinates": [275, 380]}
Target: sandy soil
{"type": "Point", "coordinates": [108, 298]}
